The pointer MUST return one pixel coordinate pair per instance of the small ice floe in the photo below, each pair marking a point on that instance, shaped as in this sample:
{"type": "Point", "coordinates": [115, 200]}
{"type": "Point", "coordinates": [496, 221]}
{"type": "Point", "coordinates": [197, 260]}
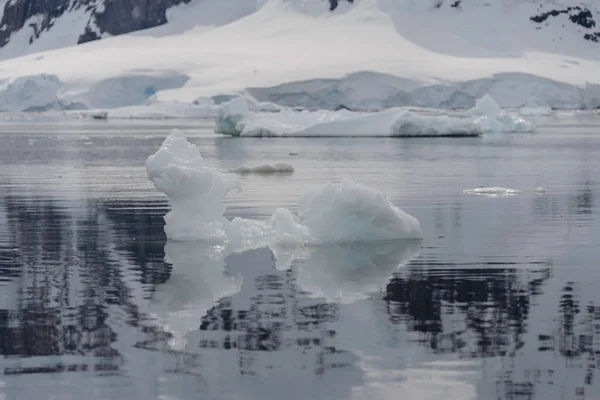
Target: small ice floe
{"type": "Point", "coordinates": [497, 191]}
{"type": "Point", "coordinates": [275, 168]}
{"type": "Point", "coordinates": [493, 191]}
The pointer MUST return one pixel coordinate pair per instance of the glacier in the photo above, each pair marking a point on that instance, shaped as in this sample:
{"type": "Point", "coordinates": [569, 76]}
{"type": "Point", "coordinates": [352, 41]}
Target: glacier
{"type": "Point", "coordinates": [368, 58]}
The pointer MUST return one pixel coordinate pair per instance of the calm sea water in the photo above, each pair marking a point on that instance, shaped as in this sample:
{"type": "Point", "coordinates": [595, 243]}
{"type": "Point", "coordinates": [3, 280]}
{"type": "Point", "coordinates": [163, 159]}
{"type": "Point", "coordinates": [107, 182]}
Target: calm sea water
{"type": "Point", "coordinates": [501, 300]}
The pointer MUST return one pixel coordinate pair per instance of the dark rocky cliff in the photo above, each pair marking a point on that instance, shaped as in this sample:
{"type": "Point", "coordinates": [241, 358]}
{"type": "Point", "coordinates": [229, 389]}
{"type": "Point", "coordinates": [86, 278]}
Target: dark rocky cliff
{"type": "Point", "coordinates": [104, 16]}
{"type": "Point", "coordinates": [114, 17]}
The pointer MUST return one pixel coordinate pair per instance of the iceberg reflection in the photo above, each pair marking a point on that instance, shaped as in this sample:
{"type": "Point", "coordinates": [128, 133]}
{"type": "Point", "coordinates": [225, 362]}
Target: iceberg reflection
{"type": "Point", "coordinates": [350, 271]}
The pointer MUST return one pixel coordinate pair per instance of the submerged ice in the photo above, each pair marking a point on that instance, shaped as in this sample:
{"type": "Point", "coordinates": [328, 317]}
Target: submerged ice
{"type": "Point", "coordinates": [330, 213]}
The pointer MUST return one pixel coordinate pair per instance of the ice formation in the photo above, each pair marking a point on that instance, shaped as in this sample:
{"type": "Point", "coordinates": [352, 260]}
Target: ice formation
{"type": "Point", "coordinates": [230, 114]}
{"type": "Point", "coordinates": [493, 191]}
{"type": "Point", "coordinates": [278, 167]}
{"type": "Point", "coordinates": [535, 108]}
{"type": "Point", "coordinates": [196, 192]}
{"type": "Point", "coordinates": [491, 119]}
{"type": "Point", "coordinates": [346, 212]}
{"type": "Point", "coordinates": [496, 191]}
{"type": "Point", "coordinates": [352, 212]}
{"type": "Point", "coordinates": [234, 118]}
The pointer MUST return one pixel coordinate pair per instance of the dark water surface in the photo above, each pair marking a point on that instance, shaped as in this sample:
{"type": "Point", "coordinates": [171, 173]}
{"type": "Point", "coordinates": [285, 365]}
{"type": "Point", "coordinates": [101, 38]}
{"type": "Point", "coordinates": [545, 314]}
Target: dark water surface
{"type": "Point", "coordinates": [501, 300]}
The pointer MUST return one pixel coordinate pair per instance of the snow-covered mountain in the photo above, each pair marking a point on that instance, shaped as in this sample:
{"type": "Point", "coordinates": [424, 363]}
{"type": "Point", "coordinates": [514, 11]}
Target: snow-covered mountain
{"type": "Point", "coordinates": [359, 54]}
{"type": "Point", "coordinates": [28, 26]}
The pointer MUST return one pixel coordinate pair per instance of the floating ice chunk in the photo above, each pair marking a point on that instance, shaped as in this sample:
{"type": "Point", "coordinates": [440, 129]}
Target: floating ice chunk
{"type": "Point", "coordinates": [504, 123]}
{"type": "Point", "coordinates": [278, 167]}
{"type": "Point", "coordinates": [287, 229]}
{"type": "Point", "coordinates": [229, 114]}
{"type": "Point", "coordinates": [351, 212]}
{"type": "Point", "coordinates": [195, 191]}
{"type": "Point", "coordinates": [491, 118]}
{"type": "Point", "coordinates": [539, 190]}
{"type": "Point", "coordinates": [494, 191]}
{"type": "Point", "coordinates": [331, 213]}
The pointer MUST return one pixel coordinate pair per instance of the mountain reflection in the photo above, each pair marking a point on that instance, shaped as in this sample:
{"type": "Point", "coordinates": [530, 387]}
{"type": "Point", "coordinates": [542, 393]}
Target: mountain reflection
{"type": "Point", "coordinates": [90, 289]}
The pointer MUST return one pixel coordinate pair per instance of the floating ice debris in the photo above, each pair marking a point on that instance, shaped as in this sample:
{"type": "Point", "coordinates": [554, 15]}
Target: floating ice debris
{"type": "Point", "coordinates": [491, 118]}
{"type": "Point", "coordinates": [539, 190]}
{"type": "Point", "coordinates": [278, 167]}
{"type": "Point", "coordinates": [496, 191]}
{"type": "Point", "coordinates": [352, 212]}
{"type": "Point", "coordinates": [345, 212]}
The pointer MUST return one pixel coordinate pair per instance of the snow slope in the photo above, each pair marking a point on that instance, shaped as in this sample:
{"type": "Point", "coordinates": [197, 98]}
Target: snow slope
{"type": "Point", "coordinates": [428, 56]}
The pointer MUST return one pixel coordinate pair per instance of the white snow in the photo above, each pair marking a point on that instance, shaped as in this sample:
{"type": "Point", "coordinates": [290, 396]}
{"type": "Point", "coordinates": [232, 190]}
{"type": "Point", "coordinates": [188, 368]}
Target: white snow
{"type": "Point", "coordinates": [234, 118]}
{"type": "Point", "coordinates": [346, 212]}
{"type": "Point", "coordinates": [491, 118]}
{"type": "Point", "coordinates": [439, 57]}
{"type": "Point", "coordinates": [274, 168]}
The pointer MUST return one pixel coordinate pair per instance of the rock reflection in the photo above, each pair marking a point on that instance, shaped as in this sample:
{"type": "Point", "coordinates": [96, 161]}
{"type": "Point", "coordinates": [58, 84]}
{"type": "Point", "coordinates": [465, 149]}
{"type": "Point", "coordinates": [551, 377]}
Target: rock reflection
{"type": "Point", "coordinates": [477, 312]}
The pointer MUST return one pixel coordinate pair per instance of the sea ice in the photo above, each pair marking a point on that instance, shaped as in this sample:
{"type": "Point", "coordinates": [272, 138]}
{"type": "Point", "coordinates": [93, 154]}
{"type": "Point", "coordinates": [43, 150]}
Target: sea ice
{"type": "Point", "coordinates": [196, 192]}
{"type": "Point", "coordinates": [493, 191]}
{"type": "Point", "coordinates": [496, 191]}
{"type": "Point", "coordinates": [491, 119]}
{"type": "Point", "coordinates": [347, 212]}
{"type": "Point", "coordinates": [234, 118]}
{"type": "Point", "coordinates": [278, 167]}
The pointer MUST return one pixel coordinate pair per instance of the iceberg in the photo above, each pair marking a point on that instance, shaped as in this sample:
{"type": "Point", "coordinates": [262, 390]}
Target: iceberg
{"type": "Point", "coordinates": [492, 119]}
{"type": "Point", "coordinates": [196, 192]}
{"type": "Point", "coordinates": [234, 118]}
{"type": "Point", "coordinates": [330, 213]}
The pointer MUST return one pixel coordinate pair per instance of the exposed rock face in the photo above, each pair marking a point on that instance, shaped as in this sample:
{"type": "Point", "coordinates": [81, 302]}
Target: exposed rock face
{"type": "Point", "coordinates": [113, 17]}
{"type": "Point", "coordinates": [581, 16]}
